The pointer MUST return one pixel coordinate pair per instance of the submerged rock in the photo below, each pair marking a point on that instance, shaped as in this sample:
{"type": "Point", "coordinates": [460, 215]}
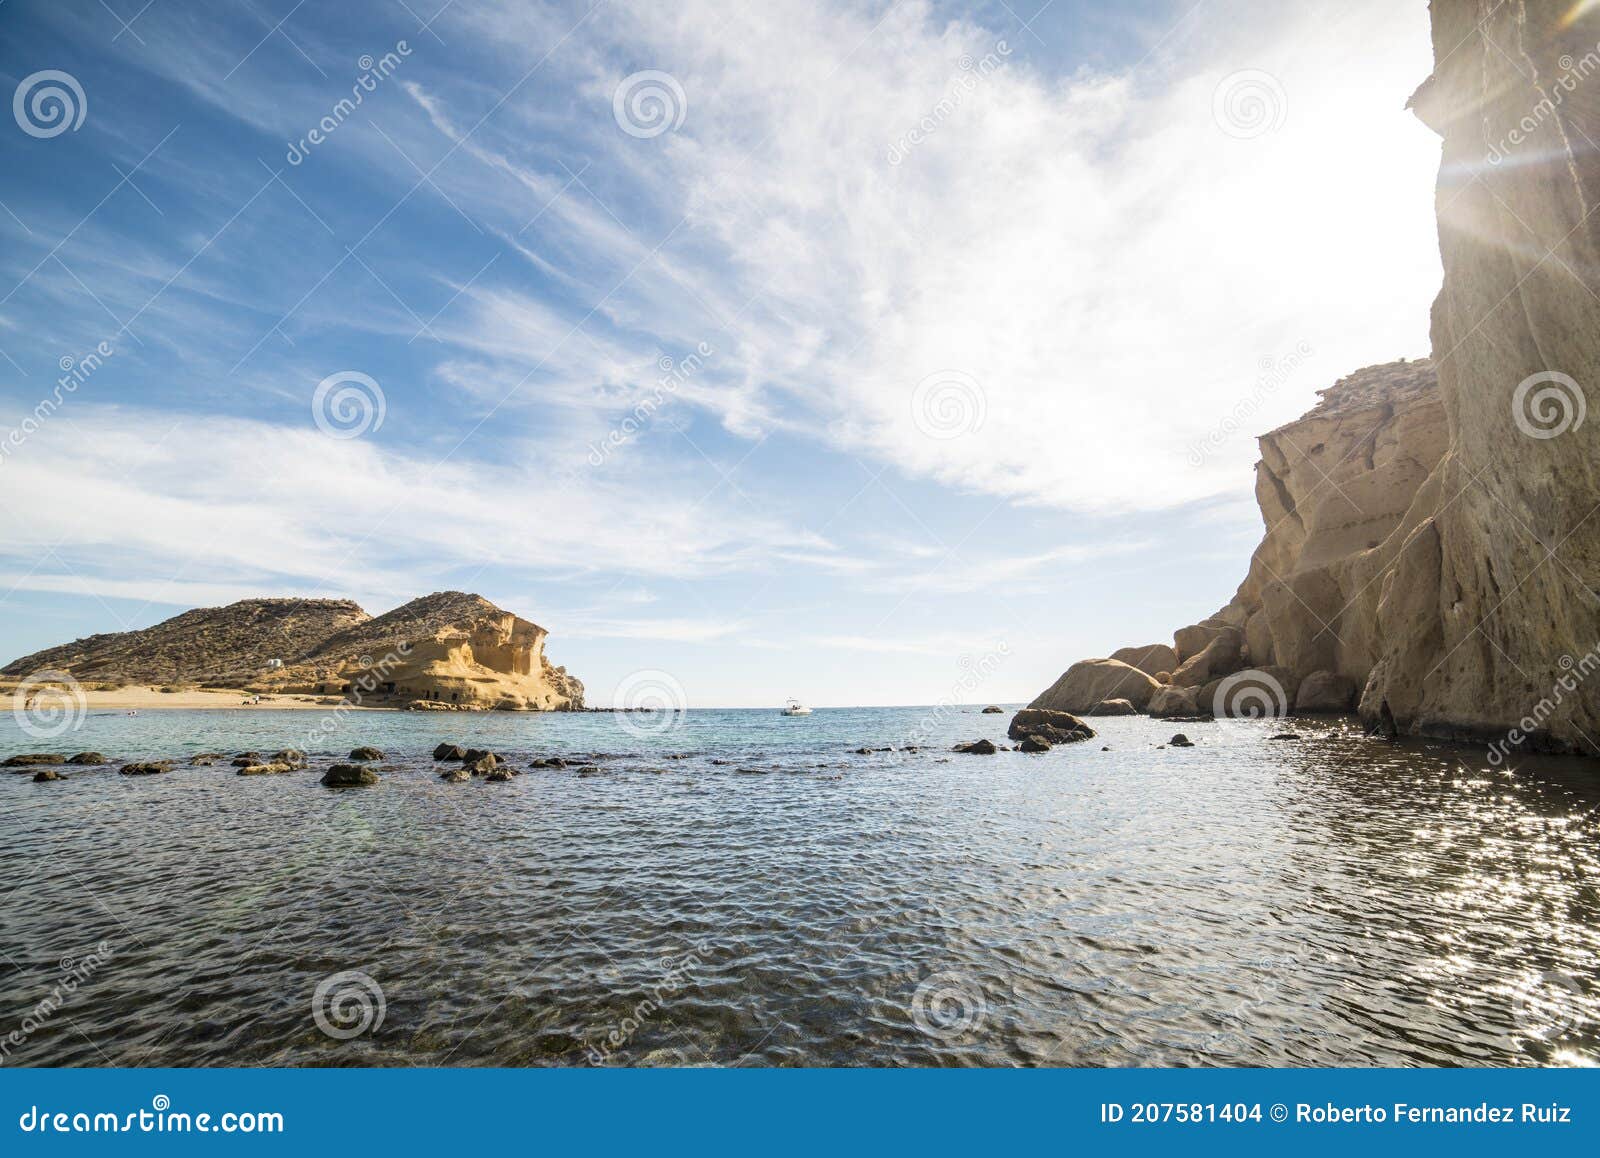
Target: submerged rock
{"type": "Point", "coordinates": [455, 776]}
{"type": "Point", "coordinates": [146, 768]}
{"type": "Point", "coordinates": [271, 769]}
{"type": "Point", "coordinates": [449, 752]}
{"type": "Point", "coordinates": [994, 710]}
{"type": "Point", "coordinates": [87, 758]}
{"type": "Point", "coordinates": [290, 756]}
{"type": "Point", "coordinates": [1052, 726]}
{"type": "Point", "coordinates": [45, 775]}
{"type": "Point", "coordinates": [500, 775]}
{"type": "Point", "coordinates": [1181, 741]}
{"type": "Point", "coordinates": [1034, 744]}
{"type": "Point", "coordinates": [349, 776]}
{"type": "Point", "coordinates": [365, 754]}
{"type": "Point", "coordinates": [33, 759]}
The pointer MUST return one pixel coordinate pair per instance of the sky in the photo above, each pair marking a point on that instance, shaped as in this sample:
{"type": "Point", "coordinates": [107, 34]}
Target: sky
{"type": "Point", "coordinates": [866, 353]}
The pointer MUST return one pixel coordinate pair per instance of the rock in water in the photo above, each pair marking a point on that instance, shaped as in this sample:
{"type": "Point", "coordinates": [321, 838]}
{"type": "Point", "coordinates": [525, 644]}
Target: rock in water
{"type": "Point", "coordinates": [1181, 741]}
{"type": "Point", "coordinates": [272, 769]}
{"type": "Point", "coordinates": [45, 775]}
{"type": "Point", "coordinates": [33, 759]}
{"type": "Point", "coordinates": [449, 752]}
{"type": "Point", "coordinates": [500, 775]}
{"type": "Point", "coordinates": [290, 756]}
{"type": "Point", "coordinates": [994, 710]}
{"type": "Point", "coordinates": [87, 758]}
{"type": "Point", "coordinates": [146, 768]}
{"type": "Point", "coordinates": [455, 776]}
{"type": "Point", "coordinates": [1170, 701]}
{"type": "Point", "coordinates": [977, 748]}
{"type": "Point", "coordinates": [1114, 708]}
{"type": "Point", "coordinates": [365, 754]}
{"type": "Point", "coordinates": [349, 776]}
{"type": "Point", "coordinates": [1051, 726]}
{"type": "Point", "coordinates": [1034, 744]}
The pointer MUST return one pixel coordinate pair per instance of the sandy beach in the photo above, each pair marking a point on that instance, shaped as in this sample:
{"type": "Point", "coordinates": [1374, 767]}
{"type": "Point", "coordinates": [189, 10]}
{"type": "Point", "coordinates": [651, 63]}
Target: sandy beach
{"type": "Point", "coordinates": [138, 698]}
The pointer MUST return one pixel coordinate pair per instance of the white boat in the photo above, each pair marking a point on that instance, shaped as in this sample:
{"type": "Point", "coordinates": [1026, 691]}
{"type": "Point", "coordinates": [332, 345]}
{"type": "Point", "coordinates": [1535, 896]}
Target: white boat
{"type": "Point", "coordinates": [796, 708]}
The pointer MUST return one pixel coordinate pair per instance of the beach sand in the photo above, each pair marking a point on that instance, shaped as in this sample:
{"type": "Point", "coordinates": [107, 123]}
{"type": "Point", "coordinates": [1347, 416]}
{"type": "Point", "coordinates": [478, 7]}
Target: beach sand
{"type": "Point", "coordinates": [135, 698]}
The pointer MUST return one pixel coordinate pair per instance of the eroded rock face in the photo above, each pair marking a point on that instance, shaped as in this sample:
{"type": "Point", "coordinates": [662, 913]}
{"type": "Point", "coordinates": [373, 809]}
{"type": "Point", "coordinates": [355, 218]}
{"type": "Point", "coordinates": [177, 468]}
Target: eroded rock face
{"type": "Point", "coordinates": [1152, 658]}
{"type": "Point", "coordinates": [1473, 612]}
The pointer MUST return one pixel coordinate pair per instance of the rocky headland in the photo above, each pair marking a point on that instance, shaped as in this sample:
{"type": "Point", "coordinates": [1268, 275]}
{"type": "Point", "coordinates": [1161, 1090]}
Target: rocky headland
{"type": "Point", "coordinates": [449, 650]}
{"type": "Point", "coordinates": [1432, 551]}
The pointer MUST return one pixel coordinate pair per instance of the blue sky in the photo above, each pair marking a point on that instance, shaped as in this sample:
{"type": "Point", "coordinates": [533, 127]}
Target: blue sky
{"type": "Point", "coordinates": [815, 349]}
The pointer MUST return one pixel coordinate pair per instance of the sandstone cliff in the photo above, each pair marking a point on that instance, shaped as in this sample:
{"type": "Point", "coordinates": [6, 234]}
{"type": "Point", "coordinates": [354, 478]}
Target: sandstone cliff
{"type": "Point", "coordinates": [449, 648]}
{"type": "Point", "coordinates": [1431, 552]}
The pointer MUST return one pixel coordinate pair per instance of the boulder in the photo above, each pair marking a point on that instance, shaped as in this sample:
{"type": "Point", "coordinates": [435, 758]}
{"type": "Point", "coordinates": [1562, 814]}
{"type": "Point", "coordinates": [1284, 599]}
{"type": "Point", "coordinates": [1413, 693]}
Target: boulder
{"type": "Point", "coordinates": [977, 748]}
{"type": "Point", "coordinates": [455, 776]}
{"type": "Point", "coordinates": [481, 763]}
{"type": "Point", "coordinates": [1114, 708]}
{"type": "Point", "coordinates": [146, 768]}
{"type": "Point", "coordinates": [449, 752]}
{"type": "Point", "coordinates": [1195, 638]}
{"type": "Point", "coordinates": [361, 755]}
{"type": "Point", "coordinates": [1034, 744]}
{"type": "Point", "coordinates": [1152, 658]}
{"type": "Point", "coordinates": [87, 758]}
{"type": "Point", "coordinates": [45, 775]}
{"type": "Point", "coordinates": [1051, 726]}
{"type": "Point", "coordinates": [290, 756]}
{"type": "Point", "coordinates": [994, 710]}
{"type": "Point", "coordinates": [33, 759]}
{"type": "Point", "coordinates": [1220, 657]}
{"type": "Point", "coordinates": [1088, 682]}
{"type": "Point", "coordinates": [1258, 692]}
{"type": "Point", "coordinates": [1325, 691]}
{"type": "Point", "coordinates": [271, 769]}
{"type": "Point", "coordinates": [500, 775]}
{"type": "Point", "coordinates": [558, 762]}
{"type": "Point", "coordinates": [1181, 741]}
{"type": "Point", "coordinates": [1258, 639]}
{"type": "Point", "coordinates": [349, 776]}
{"type": "Point", "coordinates": [1171, 701]}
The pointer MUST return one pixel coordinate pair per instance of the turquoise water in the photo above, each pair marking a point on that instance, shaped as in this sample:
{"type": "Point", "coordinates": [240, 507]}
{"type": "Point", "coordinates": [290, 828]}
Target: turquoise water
{"type": "Point", "coordinates": [742, 888]}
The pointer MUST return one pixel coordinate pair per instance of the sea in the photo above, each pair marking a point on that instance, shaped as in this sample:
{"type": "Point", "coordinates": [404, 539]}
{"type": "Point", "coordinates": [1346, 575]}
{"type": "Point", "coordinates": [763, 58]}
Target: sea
{"type": "Point", "coordinates": [741, 888]}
